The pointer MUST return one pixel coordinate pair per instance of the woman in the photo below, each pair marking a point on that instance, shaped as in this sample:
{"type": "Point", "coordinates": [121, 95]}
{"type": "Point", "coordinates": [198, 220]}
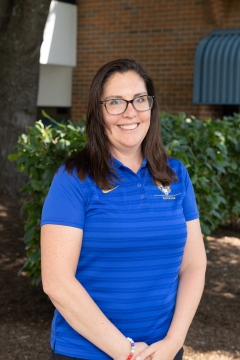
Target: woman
{"type": "Point", "coordinates": [122, 251]}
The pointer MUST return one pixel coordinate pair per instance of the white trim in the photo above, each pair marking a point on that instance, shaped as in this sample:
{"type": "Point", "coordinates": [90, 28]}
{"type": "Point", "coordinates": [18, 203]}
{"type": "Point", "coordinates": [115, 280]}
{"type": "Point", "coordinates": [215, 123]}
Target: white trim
{"type": "Point", "coordinates": [60, 35]}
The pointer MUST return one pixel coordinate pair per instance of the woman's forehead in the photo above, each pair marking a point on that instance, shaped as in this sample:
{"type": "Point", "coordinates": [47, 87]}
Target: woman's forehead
{"type": "Point", "coordinates": [120, 84]}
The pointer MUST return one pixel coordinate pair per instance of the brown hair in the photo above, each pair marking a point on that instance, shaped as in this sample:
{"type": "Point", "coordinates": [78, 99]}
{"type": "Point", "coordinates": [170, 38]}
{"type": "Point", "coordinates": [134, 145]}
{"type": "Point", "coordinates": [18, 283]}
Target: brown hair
{"type": "Point", "coordinates": [95, 158]}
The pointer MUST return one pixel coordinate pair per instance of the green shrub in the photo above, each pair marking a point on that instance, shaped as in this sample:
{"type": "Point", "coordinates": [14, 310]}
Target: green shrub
{"type": "Point", "coordinates": [209, 149]}
{"type": "Point", "coordinates": [230, 182]}
{"type": "Point", "coordinates": [211, 152]}
{"type": "Point", "coordinates": [39, 153]}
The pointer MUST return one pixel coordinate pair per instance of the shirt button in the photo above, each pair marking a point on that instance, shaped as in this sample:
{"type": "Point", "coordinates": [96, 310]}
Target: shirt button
{"type": "Point", "coordinates": [139, 185]}
{"type": "Point", "coordinates": [142, 196]}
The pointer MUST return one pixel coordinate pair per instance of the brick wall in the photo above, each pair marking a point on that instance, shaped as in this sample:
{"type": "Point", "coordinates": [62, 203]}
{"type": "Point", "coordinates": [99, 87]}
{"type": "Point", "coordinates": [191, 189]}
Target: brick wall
{"type": "Point", "coordinates": [161, 34]}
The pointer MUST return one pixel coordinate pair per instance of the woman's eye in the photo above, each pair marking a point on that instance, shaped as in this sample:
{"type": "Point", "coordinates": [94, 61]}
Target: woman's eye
{"type": "Point", "coordinates": [140, 99]}
{"type": "Point", "coordinates": [115, 102]}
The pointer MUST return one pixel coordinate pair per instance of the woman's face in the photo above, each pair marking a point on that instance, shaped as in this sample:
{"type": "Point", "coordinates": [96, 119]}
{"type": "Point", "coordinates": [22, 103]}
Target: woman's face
{"type": "Point", "coordinates": [127, 130]}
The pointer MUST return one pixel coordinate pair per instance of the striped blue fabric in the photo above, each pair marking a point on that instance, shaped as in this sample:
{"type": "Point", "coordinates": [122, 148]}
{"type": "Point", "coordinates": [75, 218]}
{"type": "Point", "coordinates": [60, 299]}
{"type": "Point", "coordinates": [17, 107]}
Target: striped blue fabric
{"type": "Point", "coordinates": [133, 243]}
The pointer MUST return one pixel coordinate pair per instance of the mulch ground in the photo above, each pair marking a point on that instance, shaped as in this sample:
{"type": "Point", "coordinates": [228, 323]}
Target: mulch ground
{"type": "Point", "coordinates": [26, 312]}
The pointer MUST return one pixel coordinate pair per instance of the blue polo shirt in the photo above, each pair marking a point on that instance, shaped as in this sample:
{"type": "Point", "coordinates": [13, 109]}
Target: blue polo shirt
{"type": "Point", "coordinates": [133, 243]}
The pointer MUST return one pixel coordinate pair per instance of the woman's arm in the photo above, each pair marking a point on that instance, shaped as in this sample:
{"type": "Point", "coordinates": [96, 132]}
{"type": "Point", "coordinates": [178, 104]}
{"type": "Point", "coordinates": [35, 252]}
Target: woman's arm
{"type": "Point", "coordinates": [191, 283]}
{"type": "Point", "coordinates": [60, 251]}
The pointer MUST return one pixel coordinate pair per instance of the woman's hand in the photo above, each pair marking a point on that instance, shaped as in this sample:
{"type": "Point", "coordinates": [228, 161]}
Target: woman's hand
{"type": "Point", "coordinates": [161, 350]}
{"type": "Point", "coordinates": [140, 347]}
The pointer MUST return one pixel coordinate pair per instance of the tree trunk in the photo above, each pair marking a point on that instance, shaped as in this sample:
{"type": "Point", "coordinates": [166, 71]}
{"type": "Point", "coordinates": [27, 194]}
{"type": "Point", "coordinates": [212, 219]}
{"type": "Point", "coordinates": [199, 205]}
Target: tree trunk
{"type": "Point", "coordinates": [21, 33]}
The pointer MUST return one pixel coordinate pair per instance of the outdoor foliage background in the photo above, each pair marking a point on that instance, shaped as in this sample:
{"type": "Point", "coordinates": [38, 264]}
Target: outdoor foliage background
{"type": "Point", "coordinates": [209, 149]}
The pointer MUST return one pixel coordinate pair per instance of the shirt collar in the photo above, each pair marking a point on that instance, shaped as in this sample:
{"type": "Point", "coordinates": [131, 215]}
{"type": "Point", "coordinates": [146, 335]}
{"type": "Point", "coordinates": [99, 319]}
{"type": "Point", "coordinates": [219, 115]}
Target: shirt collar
{"type": "Point", "coordinates": [117, 164]}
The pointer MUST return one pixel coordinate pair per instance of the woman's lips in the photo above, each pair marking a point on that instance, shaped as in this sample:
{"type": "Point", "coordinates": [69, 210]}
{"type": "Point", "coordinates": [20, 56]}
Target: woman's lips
{"type": "Point", "coordinates": [128, 127]}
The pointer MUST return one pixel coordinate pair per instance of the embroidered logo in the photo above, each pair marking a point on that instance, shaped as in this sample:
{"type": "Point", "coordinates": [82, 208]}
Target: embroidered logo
{"type": "Point", "coordinates": [166, 190]}
{"type": "Point", "coordinates": [107, 191]}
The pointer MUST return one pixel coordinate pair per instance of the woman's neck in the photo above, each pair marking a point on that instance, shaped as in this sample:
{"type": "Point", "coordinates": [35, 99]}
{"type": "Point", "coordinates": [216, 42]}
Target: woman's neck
{"type": "Point", "coordinates": [132, 160]}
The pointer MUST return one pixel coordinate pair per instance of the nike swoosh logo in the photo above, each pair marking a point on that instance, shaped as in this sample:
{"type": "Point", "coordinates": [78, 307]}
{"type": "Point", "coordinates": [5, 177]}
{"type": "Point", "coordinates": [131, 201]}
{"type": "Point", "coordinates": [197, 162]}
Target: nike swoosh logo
{"type": "Point", "coordinates": [107, 191]}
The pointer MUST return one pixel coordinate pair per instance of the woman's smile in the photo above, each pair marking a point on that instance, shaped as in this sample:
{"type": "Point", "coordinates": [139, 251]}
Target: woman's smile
{"type": "Point", "coordinates": [129, 126]}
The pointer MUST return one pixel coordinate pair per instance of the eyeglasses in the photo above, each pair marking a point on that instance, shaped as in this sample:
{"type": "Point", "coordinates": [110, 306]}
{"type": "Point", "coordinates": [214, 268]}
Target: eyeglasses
{"type": "Point", "coordinates": [119, 106]}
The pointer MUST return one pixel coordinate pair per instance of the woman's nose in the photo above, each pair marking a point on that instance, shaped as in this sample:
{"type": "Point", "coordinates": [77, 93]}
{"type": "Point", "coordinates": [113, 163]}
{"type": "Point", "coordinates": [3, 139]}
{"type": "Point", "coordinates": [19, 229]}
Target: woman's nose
{"type": "Point", "coordinates": [130, 111]}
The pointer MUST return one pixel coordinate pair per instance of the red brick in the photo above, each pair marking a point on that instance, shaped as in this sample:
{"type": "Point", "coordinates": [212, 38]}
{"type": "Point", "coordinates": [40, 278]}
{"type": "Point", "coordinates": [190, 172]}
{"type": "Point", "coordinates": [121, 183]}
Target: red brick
{"type": "Point", "coordinates": [162, 35]}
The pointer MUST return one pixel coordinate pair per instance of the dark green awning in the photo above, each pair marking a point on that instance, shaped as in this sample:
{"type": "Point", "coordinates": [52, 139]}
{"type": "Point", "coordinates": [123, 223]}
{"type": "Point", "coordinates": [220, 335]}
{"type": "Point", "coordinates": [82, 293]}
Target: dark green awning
{"type": "Point", "coordinates": [217, 69]}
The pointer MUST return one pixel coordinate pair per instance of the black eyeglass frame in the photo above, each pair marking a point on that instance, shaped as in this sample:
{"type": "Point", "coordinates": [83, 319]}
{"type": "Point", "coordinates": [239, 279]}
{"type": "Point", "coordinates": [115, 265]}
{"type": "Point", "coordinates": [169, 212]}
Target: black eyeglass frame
{"type": "Point", "coordinates": [128, 102]}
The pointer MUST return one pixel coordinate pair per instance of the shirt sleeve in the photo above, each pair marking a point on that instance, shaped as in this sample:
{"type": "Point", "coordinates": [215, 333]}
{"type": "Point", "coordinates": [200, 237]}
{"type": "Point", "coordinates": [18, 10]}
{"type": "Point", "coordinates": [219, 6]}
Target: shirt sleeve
{"type": "Point", "coordinates": [190, 209]}
{"type": "Point", "coordinates": [64, 204]}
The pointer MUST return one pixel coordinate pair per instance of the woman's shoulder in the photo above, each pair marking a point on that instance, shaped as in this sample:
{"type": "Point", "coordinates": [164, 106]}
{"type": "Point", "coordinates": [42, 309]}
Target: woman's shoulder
{"type": "Point", "coordinates": [65, 201]}
{"type": "Point", "coordinates": [68, 174]}
{"type": "Point", "coordinates": [180, 169]}
{"type": "Point", "coordinates": [69, 179]}
{"type": "Point", "coordinates": [63, 172]}
{"type": "Point", "coordinates": [176, 164]}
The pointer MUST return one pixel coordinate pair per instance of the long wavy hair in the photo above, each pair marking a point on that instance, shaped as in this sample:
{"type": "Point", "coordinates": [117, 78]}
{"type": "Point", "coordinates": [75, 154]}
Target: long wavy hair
{"type": "Point", "coordinates": [95, 158]}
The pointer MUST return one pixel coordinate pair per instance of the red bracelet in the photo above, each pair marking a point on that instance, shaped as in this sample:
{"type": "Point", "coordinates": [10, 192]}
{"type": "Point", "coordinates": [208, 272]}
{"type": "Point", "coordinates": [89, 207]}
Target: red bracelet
{"type": "Point", "coordinates": [132, 349]}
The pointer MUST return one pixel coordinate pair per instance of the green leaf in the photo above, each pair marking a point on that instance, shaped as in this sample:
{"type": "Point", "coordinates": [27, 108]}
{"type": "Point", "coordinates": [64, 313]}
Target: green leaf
{"type": "Point", "coordinates": [36, 185]}
{"type": "Point", "coordinates": [28, 235]}
{"type": "Point", "coordinates": [13, 157]}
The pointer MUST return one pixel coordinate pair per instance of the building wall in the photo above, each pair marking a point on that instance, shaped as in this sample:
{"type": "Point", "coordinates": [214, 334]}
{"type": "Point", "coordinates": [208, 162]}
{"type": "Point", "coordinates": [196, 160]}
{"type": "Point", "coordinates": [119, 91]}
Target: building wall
{"type": "Point", "coordinates": [162, 35]}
